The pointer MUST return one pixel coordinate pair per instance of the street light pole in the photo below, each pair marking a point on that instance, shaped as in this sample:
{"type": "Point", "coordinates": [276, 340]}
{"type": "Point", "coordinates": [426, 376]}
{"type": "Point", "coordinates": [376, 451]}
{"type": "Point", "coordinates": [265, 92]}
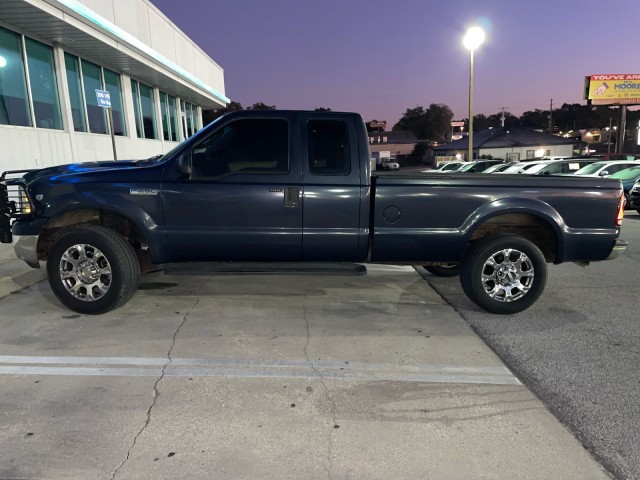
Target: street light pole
{"type": "Point", "coordinates": [472, 40]}
{"type": "Point", "coordinates": [470, 137]}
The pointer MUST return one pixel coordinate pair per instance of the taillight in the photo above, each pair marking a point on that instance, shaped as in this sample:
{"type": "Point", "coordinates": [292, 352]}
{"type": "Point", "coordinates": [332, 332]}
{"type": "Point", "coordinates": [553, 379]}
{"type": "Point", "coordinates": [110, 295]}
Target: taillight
{"type": "Point", "coordinates": [620, 212]}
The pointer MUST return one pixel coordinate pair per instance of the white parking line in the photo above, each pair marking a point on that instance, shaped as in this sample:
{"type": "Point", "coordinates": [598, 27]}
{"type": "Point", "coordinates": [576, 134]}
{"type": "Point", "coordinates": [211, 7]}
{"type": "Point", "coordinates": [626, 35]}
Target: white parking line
{"type": "Point", "coordinates": [188, 367]}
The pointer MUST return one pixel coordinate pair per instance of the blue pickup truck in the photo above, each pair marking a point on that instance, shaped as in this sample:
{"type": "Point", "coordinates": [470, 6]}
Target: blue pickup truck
{"type": "Point", "coordinates": [295, 191]}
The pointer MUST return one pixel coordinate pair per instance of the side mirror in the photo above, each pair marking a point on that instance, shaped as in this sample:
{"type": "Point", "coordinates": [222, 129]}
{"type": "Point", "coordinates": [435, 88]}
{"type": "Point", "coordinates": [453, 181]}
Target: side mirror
{"type": "Point", "coordinates": [603, 173]}
{"type": "Point", "coordinates": [183, 166]}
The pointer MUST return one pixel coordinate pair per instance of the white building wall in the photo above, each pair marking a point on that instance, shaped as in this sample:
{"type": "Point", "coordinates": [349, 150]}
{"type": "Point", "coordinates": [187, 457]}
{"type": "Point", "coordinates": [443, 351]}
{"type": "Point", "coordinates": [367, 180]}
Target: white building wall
{"type": "Point", "coordinates": [29, 147]}
{"type": "Point", "coordinates": [555, 150]}
{"type": "Point", "coordinates": [145, 22]}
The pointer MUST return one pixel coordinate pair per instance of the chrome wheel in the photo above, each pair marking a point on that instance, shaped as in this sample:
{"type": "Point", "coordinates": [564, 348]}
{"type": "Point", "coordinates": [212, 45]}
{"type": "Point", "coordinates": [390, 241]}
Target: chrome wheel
{"type": "Point", "coordinates": [507, 275]}
{"type": "Point", "coordinates": [85, 272]}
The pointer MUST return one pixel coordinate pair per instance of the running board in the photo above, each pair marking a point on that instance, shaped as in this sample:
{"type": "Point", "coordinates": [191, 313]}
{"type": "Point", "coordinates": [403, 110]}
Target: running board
{"type": "Point", "coordinates": [249, 268]}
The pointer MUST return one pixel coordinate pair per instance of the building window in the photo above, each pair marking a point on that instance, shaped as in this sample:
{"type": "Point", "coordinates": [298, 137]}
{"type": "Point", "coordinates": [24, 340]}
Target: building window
{"type": "Point", "coordinates": [513, 157]}
{"type": "Point", "coordinates": [14, 102]}
{"type": "Point", "coordinates": [143, 106]}
{"type": "Point", "coordinates": [531, 154]}
{"type": "Point", "coordinates": [92, 81]}
{"type": "Point", "coordinates": [189, 118]}
{"type": "Point", "coordinates": [112, 85]}
{"type": "Point", "coordinates": [44, 87]}
{"type": "Point", "coordinates": [169, 117]}
{"type": "Point", "coordinates": [74, 83]}
{"type": "Point", "coordinates": [26, 62]}
{"type": "Point", "coordinates": [83, 79]}
{"type": "Point", "coordinates": [328, 145]}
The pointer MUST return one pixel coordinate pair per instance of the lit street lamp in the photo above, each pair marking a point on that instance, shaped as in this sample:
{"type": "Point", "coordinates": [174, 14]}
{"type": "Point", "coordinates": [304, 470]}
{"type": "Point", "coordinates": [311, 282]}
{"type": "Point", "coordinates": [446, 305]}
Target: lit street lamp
{"type": "Point", "coordinates": [472, 40]}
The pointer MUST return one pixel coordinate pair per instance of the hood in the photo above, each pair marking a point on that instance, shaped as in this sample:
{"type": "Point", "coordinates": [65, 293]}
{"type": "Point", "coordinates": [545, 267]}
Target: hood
{"type": "Point", "coordinates": [82, 168]}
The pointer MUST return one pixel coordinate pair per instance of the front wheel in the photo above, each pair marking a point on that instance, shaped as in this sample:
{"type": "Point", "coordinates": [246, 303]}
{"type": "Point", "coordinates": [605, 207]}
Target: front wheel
{"type": "Point", "coordinates": [504, 274]}
{"type": "Point", "coordinates": [92, 270]}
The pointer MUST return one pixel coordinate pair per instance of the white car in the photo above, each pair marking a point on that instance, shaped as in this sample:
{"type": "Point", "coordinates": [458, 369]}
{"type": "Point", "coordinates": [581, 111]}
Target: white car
{"type": "Point", "coordinates": [449, 167]}
{"type": "Point", "coordinates": [522, 167]}
{"type": "Point", "coordinates": [392, 165]}
{"type": "Point", "coordinates": [606, 168]}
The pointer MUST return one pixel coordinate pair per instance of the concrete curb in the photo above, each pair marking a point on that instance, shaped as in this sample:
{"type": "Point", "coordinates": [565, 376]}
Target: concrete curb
{"type": "Point", "coordinates": [19, 281]}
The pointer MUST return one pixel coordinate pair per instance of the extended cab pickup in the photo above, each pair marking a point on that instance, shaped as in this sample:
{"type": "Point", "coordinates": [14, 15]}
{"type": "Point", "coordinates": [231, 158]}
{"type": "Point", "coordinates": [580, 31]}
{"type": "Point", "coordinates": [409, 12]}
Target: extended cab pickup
{"type": "Point", "coordinates": [258, 188]}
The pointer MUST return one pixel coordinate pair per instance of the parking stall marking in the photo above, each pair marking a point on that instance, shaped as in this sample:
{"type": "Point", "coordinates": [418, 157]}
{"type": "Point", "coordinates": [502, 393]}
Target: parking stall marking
{"type": "Point", "coordinates": [188, 367]}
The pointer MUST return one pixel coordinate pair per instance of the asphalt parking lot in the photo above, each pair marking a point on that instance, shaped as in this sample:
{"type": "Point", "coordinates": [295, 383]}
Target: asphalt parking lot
{"type": "Point", "coordinates": [239, 377]}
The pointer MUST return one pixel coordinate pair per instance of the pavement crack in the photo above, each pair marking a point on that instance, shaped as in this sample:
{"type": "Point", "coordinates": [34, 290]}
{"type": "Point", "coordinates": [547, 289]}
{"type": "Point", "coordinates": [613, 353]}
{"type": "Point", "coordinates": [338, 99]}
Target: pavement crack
{"type": "Point", "coordinates": [156, 392]}
{"type": "Point", "coordinates": [330, 400]}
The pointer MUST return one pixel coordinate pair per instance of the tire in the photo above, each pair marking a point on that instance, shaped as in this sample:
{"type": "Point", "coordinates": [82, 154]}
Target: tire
{"type": "Point", "coordinates": [448, 270]}
{"type": "Point", "coordinates": [513, 287]}
{"type": "Point", "coordinates": [92, 270]}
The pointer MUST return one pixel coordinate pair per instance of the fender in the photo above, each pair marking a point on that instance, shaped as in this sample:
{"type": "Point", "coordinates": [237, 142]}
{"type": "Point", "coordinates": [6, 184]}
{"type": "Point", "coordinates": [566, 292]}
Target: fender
{"type": "Point", "coordinates": [530, 206]}
{"type": "Point", "coordinates": [145, 217]}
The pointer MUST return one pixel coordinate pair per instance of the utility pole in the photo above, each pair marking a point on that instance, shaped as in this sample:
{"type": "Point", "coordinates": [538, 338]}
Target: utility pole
{"type": "Point", "coordinates": [502, 117]}
{"type": "Point", "coordinates": [551, 117]}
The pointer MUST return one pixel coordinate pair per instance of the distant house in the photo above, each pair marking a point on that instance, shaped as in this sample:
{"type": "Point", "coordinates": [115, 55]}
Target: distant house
{"type": "Point", "coordinates": [508, 143]}
{"type": "Point", "coordinates": [398, 143]}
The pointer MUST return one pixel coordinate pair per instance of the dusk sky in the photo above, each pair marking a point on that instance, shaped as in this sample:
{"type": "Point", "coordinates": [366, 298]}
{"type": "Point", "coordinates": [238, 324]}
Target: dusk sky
{"type": "Point", "coordinates": [379, 57]}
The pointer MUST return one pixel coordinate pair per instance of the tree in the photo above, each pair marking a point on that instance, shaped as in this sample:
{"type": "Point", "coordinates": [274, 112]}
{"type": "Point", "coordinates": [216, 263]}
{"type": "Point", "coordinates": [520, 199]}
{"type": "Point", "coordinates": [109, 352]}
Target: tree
{"type": "Point", "coordinates": [535, 119]}
{"type": "Point", "coordinates": [481, 122]}
{"type": "Point", "coordinates": [209, 116]}
{"type": "Point", "coordinates": [439, 118]}
{"type": "Point", "coordinates": [430, 124]}
{"type": "Point", "coordinates": [322, 109]}
{"type": "Point", "coordinates": [495, 120]}
{"type": "Point", "coordinates": [420, 149]}
{"type": "Point", "coordinates": [262, 106]}
{"type": "Point", "coordinates": [413, 121]}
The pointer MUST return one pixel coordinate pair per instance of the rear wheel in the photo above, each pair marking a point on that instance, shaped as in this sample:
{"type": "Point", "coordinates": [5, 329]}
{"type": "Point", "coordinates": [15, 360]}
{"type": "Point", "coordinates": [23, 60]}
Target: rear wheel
{"type": "Point", "coordinates": [92, 270]}
{"type": "Point", "coordinates": [504, 274]}
{"type": "Point", "coordinates": [444, 270]}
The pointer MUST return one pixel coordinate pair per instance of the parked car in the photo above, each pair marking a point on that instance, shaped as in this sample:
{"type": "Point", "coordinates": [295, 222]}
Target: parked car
{"type": "Point", "coordinates": [498, 168]}
{"type": "Point", "coordinates": [634, 197]}
{"type": "Point", "coordinates": [522, 167]}
{"type": "Point", "coordinates": [450, 166]}
{"type": "Point", "coordinates": [479, 166]}
{"type": "Point", "coordinates": [392, 165]}
{"type": "Point", "coordinates": [628, 177]}
{"type": "Point", "coordinates": [558, 167]}
{"type": "Point", "coordinates": [605, 168]}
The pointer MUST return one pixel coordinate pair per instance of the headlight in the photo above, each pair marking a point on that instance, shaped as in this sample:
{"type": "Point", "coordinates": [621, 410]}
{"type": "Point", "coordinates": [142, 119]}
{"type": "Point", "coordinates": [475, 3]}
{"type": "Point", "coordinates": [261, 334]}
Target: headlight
{"type": "Point", "coordinates": [25, 204]}
{"type": "Point", "coordinates": [18, 200]}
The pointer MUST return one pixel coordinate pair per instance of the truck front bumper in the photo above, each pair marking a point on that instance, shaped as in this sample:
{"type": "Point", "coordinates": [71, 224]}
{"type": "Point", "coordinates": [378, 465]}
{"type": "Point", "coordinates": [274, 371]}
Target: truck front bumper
{"type": "Point", "coordinates": [26, 248]}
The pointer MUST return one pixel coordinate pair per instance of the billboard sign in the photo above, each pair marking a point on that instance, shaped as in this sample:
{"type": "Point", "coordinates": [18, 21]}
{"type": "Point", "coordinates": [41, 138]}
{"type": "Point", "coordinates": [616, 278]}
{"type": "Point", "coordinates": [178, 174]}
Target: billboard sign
{"type": "Point", "coordinates": [614, 89]}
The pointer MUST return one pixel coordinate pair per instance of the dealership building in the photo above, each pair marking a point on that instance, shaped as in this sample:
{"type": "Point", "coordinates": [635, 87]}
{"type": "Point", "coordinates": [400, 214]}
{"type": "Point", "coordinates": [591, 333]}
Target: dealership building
{"type": "Point", "coordinates": [55, 54]}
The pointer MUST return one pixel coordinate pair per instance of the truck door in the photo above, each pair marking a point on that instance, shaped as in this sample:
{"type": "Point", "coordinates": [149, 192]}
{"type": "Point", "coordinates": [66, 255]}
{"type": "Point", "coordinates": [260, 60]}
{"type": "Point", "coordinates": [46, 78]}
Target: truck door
{"type": "Point", "coordinates": [242, 201]}
{"type": "Point", "coordinates": [332, 229]}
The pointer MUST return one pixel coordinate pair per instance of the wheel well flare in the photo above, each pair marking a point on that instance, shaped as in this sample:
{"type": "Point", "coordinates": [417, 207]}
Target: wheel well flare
{"type": "Point", "coordinates": [531, 227]}
{"type": "Point", "coordinates": [59, 224]}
